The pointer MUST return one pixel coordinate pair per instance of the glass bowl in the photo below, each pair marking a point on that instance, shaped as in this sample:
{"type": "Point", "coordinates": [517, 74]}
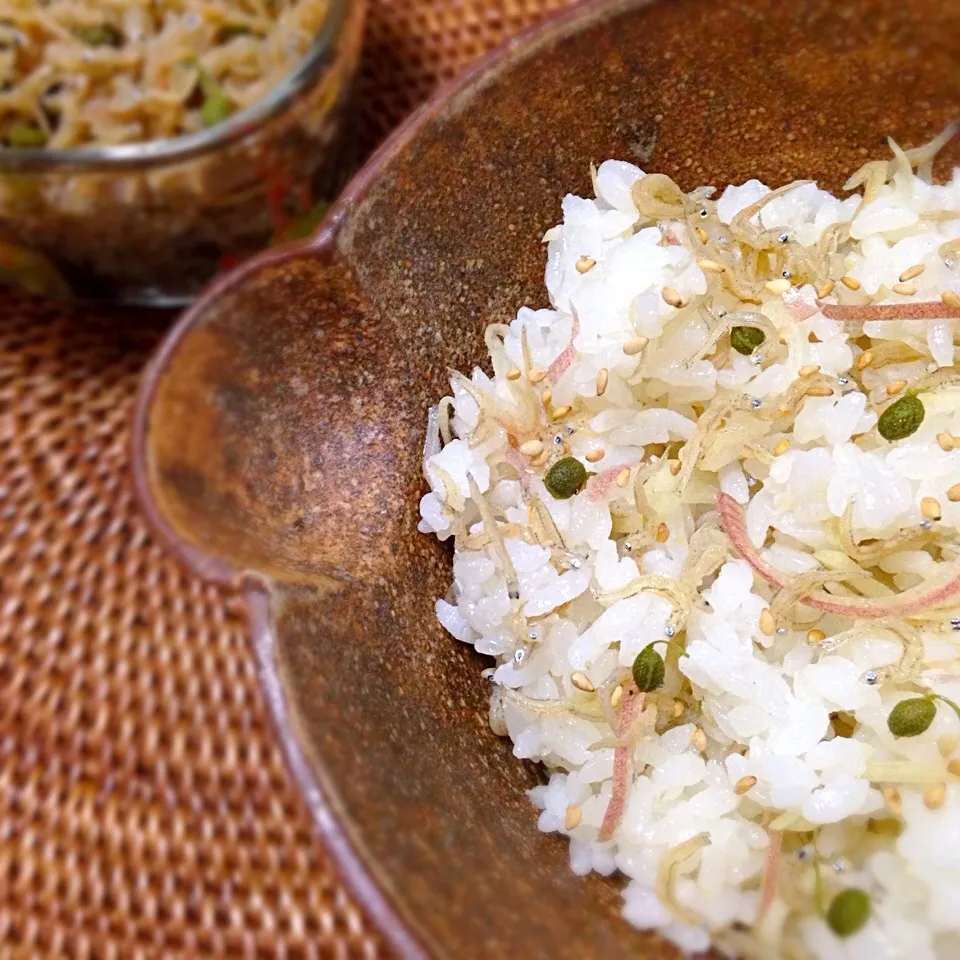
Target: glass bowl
{"type": "Point", "coordinates": [150, 223]}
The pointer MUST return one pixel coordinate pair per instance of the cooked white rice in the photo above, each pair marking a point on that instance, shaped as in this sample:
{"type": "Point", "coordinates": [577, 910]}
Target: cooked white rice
{"type": "Point", "coordinates": [765, 761]}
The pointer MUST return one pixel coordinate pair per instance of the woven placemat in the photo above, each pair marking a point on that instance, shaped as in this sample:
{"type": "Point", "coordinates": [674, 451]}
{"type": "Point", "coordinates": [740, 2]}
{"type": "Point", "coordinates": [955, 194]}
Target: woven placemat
{"type": "Point", "coordinates": [144, 807]}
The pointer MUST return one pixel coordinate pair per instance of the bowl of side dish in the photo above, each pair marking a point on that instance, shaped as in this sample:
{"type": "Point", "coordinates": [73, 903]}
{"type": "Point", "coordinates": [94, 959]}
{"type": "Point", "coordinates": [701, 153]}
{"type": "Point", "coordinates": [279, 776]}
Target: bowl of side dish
{"type": "Point", "coordinates": [144, 150]}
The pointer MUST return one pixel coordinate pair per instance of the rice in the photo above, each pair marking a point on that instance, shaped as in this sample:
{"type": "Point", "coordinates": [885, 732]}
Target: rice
{"type": "Point", "coordinates": [789, 549]}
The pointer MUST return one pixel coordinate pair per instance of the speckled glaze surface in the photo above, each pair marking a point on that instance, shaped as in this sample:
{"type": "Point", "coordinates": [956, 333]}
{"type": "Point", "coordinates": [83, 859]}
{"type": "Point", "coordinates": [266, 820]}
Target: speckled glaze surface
{"type": "Point", "coordinates": [278, 435]}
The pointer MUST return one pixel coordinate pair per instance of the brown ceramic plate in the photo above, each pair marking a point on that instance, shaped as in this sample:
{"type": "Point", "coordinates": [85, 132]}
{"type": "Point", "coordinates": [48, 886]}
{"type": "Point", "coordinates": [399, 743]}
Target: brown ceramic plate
{"type": "Point", "coordinates": [279, 431]}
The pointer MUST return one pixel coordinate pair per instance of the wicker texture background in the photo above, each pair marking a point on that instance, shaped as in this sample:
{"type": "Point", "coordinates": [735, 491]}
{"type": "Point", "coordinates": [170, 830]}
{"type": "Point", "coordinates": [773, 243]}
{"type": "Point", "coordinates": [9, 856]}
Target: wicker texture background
{"type": "Point", "coordinates": [144, 807]}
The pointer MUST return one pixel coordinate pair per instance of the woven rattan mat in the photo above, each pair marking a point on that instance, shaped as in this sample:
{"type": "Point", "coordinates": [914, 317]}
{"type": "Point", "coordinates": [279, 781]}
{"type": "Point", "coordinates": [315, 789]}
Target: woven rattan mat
{"type": "Point", "coordinates": [144, 807]}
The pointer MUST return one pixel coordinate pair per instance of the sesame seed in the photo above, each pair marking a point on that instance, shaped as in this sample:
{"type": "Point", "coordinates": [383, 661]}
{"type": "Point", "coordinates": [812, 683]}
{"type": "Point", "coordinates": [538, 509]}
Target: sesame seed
{"type": "Point", "coordinates": [571, 819]}
{"type": "Point", "coordinates": [514, 374]}
{"type": "Point", "coordinates": [585, 264]}
{"type": "Point", "coordinates": [930, 508]}
{"type": "Point", "coordinates": [677, 709]}
{"type": "Point", "coordinates": [911, 272]}
{"type": "Point", "coordinates": [946, 441]}
{"type": "Point", "coordinates": [816, 636]}
{"type": "Point", "coordinates": [560, 412]}
{"type": "Point", "coordinates": [744, 785]}
{"type": "Point", "coordinates": [819, 390]}
{"type": "Point", "coordinates": [934, 796]}
{"type": "Point", "coordinates": [953, 768]}
{"type": "Point", "coordinates": [782, 447]}
{"type": "Point", "coordinates": [603, 378]}
{"type": "Point", "coordinates": [594, 455]}
{"type": "Point", "coordinates": [864, 360]}
{"type": "Point", "coordinates": [905, 289]}
{"type": "Point", "coordinates": [809, 370]}
{"type": "Point", "coordinates": [851, 283]}
{"type": "Point", "coordinates": [541, 460]}
{"type": "Point", "coordinates": [895, 387]}
{"type": "Point", "coordinates": [698, 740]}
{"type": "Point", "coordinates": [701, 234]}
{"type": "Point", "coordinates": [711, 266]}
{"type": "Point", "coordinates": [671, 297]}
{"type": "Point", "coordinates": [546, 396]}
{"type": "Point", "coordinates": [532, 448]}
{"type": "Point", "coordinates": [947, 744]}
{"type": "Point", "coordinates": [663, 533]}
{"type": "Point", "coordinates": [582, 682]}
{"type": "Point", "coordinates": [778, 286]}
{"type": "Point", "coordinates": [616, 696]}
{"type": "Point", "coordinates": [768, 625]}
{"type": "Point", "coordinates": [623, 477]}
{"type": "Point", "coordinates": [951, 298]}
{"type": "Point", "coordinates": [953, 494]}
{"type": "Point", "coordinates": [825, 289]}
{"type": "Point", "coordinates": [891, 797]}
{"type": "Point", "coordinates": [537, 375]}
{"type": "Point", "coordinates": [632, 347]}
{"type": "Point", "coordinates": [674, 466]}
{"type": "Point", "coordinates": [566, 447]}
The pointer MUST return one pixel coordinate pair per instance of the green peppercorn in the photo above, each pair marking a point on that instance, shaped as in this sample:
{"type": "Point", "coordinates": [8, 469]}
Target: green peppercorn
{"type": "Point", "coordinates": [306, 223]}
{"type": "Point", "coordinates": [901, 419]}
{"type": "Point", "coordinates": [849, 911]}
{"type": "Point", "coordinates": [649, 670]}
{"type": "Point", "coordinates": [215, 110]}
{"type": "Point", "coordinates": [565, 478]}
{"type": "Point", "coordinates": [746, 339]}
{"type": "Point", "coordinates": [26, 135]}
{"type": "Point", "coordinates": [910, 718]}
{"type": "Point", "coordinates": [99, 35]}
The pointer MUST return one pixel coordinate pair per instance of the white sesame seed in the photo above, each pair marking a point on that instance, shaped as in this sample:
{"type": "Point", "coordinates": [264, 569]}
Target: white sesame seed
{"type": "Point", "coordinates": [582, 682]}
{"type": "Point", "coordinates": [632, 347]}
{"type": "Point", "coordinates": [911, 273]}
{"type": "Point", "coordinates": [934, 796]}
{"type": "Point", "coordinates": [532, 448]}
{"type": "Point", "coordinates": [744, 785]}
{"type": "Point", "coordinates": [603, 378]}
{"type": "Point", "coordinates": [671, 297]}
{"type": "Point", "coordinates": [711, 266]}
{"type": "Point", "coordinates": [891, 797]}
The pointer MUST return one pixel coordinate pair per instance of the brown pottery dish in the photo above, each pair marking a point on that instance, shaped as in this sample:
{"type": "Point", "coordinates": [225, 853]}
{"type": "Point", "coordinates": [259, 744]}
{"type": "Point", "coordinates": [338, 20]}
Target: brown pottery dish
{"type": "Point", "coordinates": [279, 431]}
